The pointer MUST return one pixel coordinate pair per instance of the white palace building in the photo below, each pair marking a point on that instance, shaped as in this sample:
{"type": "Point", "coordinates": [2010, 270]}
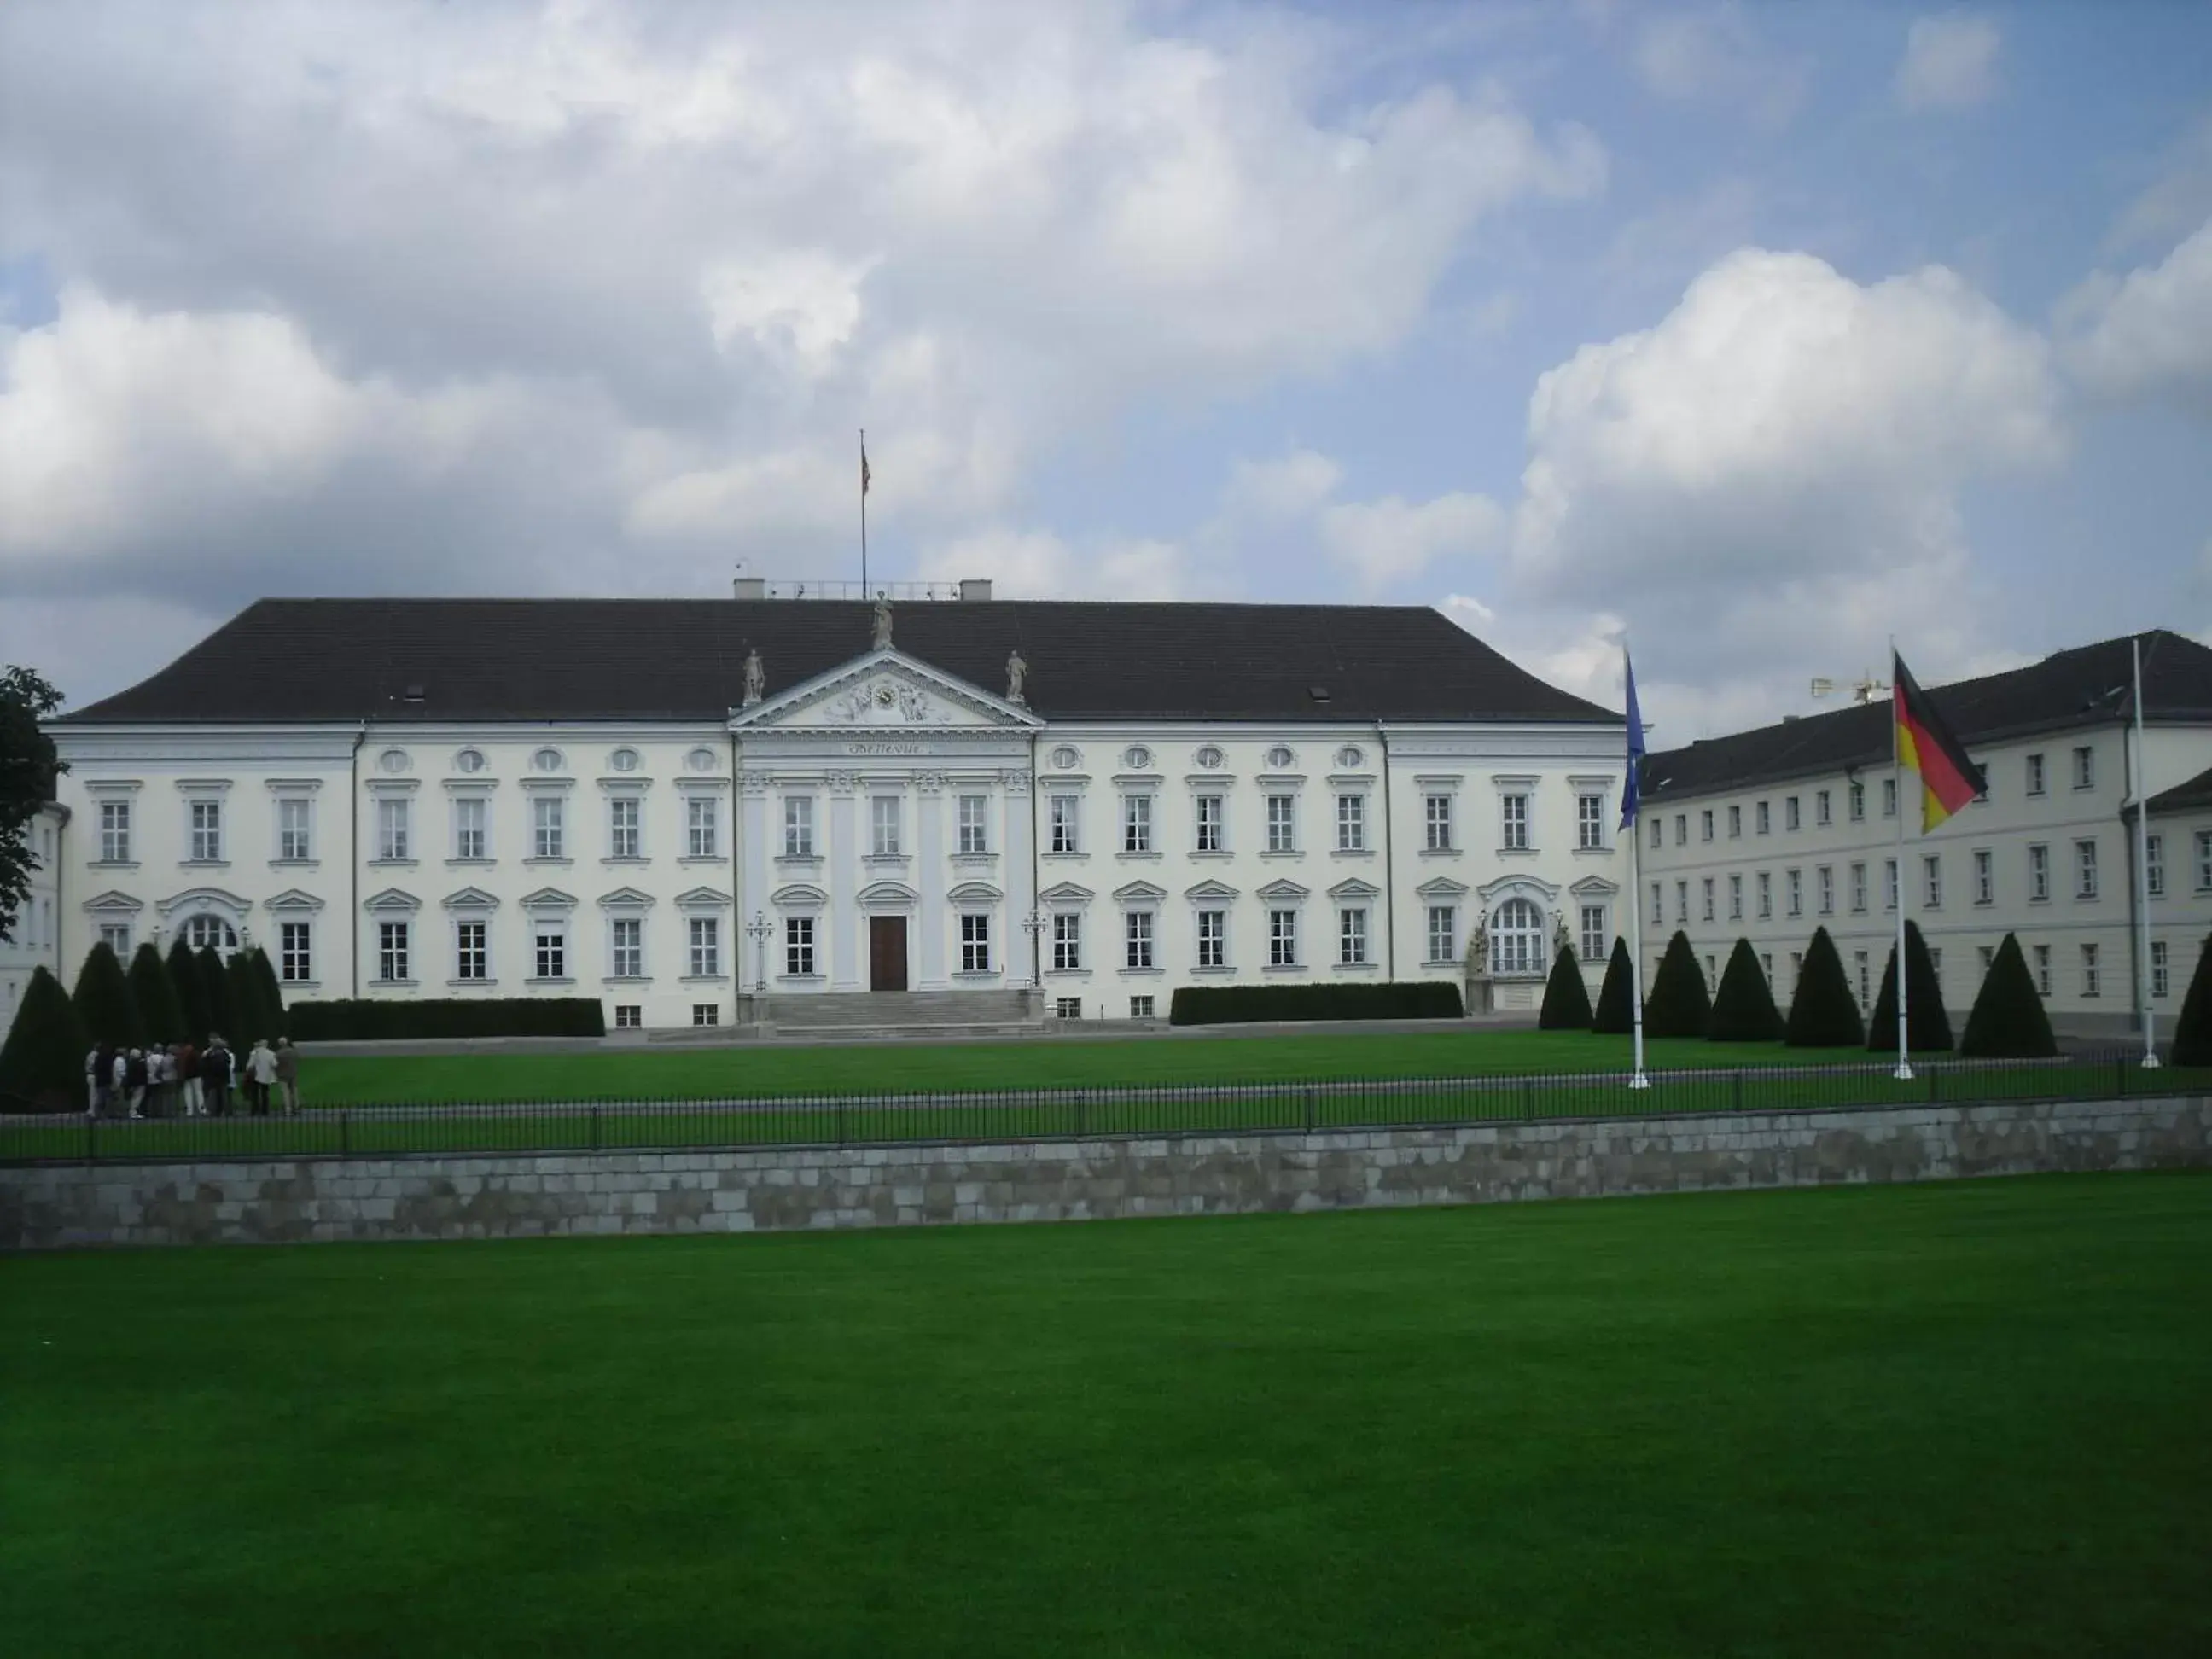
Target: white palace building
{"type": "Point", "coordinates": [711, 811]}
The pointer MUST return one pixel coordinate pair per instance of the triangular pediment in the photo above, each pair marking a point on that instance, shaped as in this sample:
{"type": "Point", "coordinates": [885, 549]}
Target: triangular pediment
{"type": "Point", "coordinates": [626, 898]}
{"type": "Point", "coordinates": [1210, 890]}
{"type": "Point", "coordinates": [470, 898]}
{"type": "Point", "coordinates": [293, 901]}
{"type": "Point", "coordinates": [548, 898]}
{"type": "Point", "coordinates": [1284, 890]}
{"type": "Point", "coordinates": [1593, 887]}
{"type": "Point", "coordinates": [392, 899]}
{"type": "Point", "coordinates": [1140, 890]}
{"type": "Point", "coordinates": [111, 902]}
{"type": "Point", "coordinates": [1066, 892]}
{"type": "Point", "coordinates": [885, 691]}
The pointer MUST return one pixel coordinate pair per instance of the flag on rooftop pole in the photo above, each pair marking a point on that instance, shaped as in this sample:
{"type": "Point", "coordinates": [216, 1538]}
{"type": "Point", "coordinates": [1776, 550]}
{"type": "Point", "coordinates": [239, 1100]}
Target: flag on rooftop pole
{"type": "Point", "coordinates": [1631, 803]}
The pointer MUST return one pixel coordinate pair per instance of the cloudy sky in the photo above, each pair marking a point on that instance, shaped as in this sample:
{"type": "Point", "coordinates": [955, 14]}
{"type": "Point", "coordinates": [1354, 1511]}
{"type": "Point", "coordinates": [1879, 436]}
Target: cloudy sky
{"type": "Point", "coordinates": [1760, 330]}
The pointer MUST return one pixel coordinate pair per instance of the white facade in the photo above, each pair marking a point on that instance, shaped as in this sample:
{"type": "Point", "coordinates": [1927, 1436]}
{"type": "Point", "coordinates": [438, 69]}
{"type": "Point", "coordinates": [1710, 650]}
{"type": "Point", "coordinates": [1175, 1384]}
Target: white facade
{"type": "Point", "coordinates": [34, 941]}
{"type": "Point", "coordinates": [883, 826]}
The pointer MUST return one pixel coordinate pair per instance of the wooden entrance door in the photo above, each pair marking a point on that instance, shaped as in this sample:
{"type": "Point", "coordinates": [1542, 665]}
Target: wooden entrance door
{"type": "Point", "coordinates": [887, 953]}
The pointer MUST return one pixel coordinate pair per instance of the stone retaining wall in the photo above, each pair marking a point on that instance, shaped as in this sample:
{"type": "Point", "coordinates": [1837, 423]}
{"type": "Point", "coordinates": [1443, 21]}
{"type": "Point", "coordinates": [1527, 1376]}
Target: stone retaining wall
{"type": "Point", "coordinates": [507, 1195]}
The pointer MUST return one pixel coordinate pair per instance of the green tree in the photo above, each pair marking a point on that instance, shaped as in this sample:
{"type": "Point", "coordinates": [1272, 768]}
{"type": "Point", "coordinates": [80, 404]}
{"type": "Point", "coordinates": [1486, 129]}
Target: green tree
{"type": "Point", "coordinates": [245, 1006]}
{"type": "Point", "coordinates": [42, 1061]}
{"type": "Point", "coordinates": [2193, 1029]}
{"type": "Point", "coordinates": [1743, 1007]}
{"type": "Point", "coordinates": [104, 1002]}
{"type": "Point", "coordinates": [271, 993]}
{"type": "Point", "coordinates": [152, 989]}
{"type": "Point", "coordinates": [28, 768]}
{"type": "Point", "coordinates": [1566, 998]}
{"type": "Point", "coordinates": [1678, 1004]}
{"type": "Point", "coordinates": [1929, 1027]}
{"type": "Point", "coordinates": [190, 989]}
{"type": "Point", "coordinates": [215, 994]}
{"type": "Point", "coordinates": [1616, 997]}
{"type": "Point", "coordinates": [1823, 1012]}
{"type": "Point", "coordinates": [2008, 1020]}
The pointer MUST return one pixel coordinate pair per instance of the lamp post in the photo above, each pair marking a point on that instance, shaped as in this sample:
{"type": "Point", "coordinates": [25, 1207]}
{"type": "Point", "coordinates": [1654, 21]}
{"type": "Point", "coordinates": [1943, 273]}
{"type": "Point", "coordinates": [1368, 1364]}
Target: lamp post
{"type": "Point", "coordinates": [1033, 925]}
{"type": "Point", "coordinates": [757, 930]}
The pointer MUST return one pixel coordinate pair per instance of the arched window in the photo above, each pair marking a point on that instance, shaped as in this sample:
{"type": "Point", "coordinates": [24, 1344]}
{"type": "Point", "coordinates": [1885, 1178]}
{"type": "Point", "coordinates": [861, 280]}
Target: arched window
{"type": "Point", "coordinates": [203, 931]}
{"type": "Point", "coordinates": [1516, 939]}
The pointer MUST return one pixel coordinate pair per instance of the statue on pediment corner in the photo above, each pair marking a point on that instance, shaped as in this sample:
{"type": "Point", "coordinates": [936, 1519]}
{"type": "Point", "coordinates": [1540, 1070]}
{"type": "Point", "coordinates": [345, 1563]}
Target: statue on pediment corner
{"type": "Point", "coordinates": [881, 639]}
{"type": "Point", "coordinates": [1017, 673]}
{"type": "Point", "coordinates": [755, 678]}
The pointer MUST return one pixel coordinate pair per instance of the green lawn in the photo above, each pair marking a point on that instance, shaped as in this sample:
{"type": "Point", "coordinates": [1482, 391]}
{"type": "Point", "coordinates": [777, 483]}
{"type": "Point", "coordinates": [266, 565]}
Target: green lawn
{"type": "Point", "coordinates": [1949, 1419]}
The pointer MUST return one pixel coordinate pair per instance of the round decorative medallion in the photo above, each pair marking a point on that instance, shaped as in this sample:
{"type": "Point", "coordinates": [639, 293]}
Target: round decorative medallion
{"type": "Point", "coordinates": [700, 760]}
{"type": "Point", "coordinates": [392, 760]}
{"type": "Point", "coordinates": [1066, 759]}
{"type": "Point", "coordinates": [623, 760]}
{"type": "Point", "coordinates": [546, 760]}
{"type": "Point", "coordinates": [1350, 755]}
{"type": "Point", "coordinates": [1210, 757]}
{"type": "Point", "coordinates": [1138, 757]}
{"type": "Point", "coordinates": [885, 697]}
{"type": "Point", "coordinates": [469, 760]}
{"type": "Point", "coordinates": [1278, 757]}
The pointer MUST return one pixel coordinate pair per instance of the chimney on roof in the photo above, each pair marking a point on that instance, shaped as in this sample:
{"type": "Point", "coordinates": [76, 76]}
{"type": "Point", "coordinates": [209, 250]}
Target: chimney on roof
{"type": "Point", "coordinates": [749, 588]}
{"type": "Point", "coordinates": [975, 587]}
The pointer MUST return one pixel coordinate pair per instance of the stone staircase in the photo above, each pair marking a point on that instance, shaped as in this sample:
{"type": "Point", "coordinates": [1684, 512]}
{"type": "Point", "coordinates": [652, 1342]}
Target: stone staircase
{"type": "Point", "coordinates": [857, 1015]}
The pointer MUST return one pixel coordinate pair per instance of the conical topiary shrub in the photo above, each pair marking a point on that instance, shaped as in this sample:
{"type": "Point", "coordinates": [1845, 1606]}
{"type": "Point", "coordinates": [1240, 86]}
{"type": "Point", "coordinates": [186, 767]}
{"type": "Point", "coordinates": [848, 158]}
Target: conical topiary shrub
{"type": "Point", "coordinates": [1616, 997]}
{"type": "Point", "coordinates": [1929, 1028]}
{"type": "Point", "coordinates": [192, 992]}
{"type": "Point", "coordinates": [2007, 1021]}
{"type": "Point", "coordinates": [215, 994]}
{"type": "Point", "coordinates": [157, 997]}
{"type": "Point", "coordinates": [1823, 1012]}
{"type": "Point", "coordinates": [1566, 998]}
{"type": "Point", "coordinates": [1743, 1008]}
{"type": "Point", "coordinates": [2192, 1028]}
{"type": "Point", "coordinates": [271, 993]}
{"type": "Point", "coordinates": [104, 1002]}
{"type": "Point", "coordinates": [42, 1061]}
{"type": "Point", "coordinates": [1678, 1004]}
{"type": "Point", "coordinates": [246, 1007]}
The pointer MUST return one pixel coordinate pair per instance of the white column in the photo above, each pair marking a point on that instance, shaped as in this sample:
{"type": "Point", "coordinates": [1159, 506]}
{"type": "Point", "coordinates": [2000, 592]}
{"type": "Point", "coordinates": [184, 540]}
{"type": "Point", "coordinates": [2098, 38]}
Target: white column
{"type": "Point", "coordinates": [1021, 876]}
{"type": "Point", "coordinates": [756, 847]}
{"type": "Point", "coordinates": [932, 873]}
{"type": "Point", "coordinates": [843, 927]}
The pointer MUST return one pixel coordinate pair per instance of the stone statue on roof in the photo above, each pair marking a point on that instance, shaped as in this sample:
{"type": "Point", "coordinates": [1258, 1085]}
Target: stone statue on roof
{"type": "Point", "coordinates": [756, 676]}
{"type": "Point", "coordinates": [882, 640]}
{"type": "Point", "coordinates": [1017, 672]}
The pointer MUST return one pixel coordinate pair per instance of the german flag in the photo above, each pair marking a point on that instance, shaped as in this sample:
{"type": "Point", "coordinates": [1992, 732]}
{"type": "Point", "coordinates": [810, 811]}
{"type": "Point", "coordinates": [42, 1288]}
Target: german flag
{"type": "Point", "coordinates": [1925, 742]}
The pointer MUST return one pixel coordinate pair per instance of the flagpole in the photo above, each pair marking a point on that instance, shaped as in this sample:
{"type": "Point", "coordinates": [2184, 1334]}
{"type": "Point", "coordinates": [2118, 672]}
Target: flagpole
{"type": "Point", "coordinates": [1636, 1078]}
{"type": "Point", "coordinates": [863, 512]}
{"type": "Point", "coordinates": [1903, 1071]}
{"type": "Point", "coordinates": [2143, 874]}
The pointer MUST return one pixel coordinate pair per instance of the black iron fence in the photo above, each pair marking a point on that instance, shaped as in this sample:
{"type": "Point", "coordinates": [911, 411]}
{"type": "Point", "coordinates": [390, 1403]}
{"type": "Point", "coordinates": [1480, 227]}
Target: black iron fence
{"type": "Point", "coordinates": [1270, 1105]}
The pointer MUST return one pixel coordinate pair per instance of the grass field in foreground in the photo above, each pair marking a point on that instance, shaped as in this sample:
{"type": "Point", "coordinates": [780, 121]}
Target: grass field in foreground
{"type": "Point", "coordinates": [1947, 1419]}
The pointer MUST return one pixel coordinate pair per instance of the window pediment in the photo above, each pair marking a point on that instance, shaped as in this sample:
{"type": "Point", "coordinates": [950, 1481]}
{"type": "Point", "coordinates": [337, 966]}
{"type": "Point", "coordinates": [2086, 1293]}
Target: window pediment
{"type": "Point", "coordinates": [1141, 892]}
{"type": "Point", "coordinates": [626, 898]}
{"type": "Point", "coordinates": [470, 898]}
{"type": "Point", "coordinates": [1210, 891]}
{"type": "Point", "coordinates": [547, 898]}
{"type": "Point", "coordinates": [703, 898]}
{"type": "Point", "coordinates": [975, 892]}
{"type": "Point", "coordinates": [206, 898]}
{"type": "Point", "coordinates": [112, 904]}
{"type": "Point", "coordinates": [392, 901]}
{"type": "Point", "coordinates": [1286, 891]}
{"type": "Point", "coordinates": [1068, 892]}
{"type": "Point", "coordinates": [292, 901]}
{"type": "Point", "coordinates": [1355, 889]}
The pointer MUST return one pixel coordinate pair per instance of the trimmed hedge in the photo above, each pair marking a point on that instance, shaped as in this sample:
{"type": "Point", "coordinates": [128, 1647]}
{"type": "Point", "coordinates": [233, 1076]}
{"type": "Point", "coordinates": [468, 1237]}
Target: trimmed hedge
{"type": "Point", "coordinates": [1678, 1004]}
{"type": "Point", "coordinates": [191, 995]}
{"type": "Point", "coordinates": [2009, 1021]}
{"type": "Point", "coordinates": [272, 993]}
{"type": "Point", "coordinates": [2192, 1028]}
{"type": "Point", "coordinates": [1928, 1027]}
{"type": "Point", "coordinates": [214, 996]}
{"type": "Point", "coordinates": [1823, 1012]}
{"type": "Point", "coordinates": [104, 1002]}
{"type": "Point", "coordinates": [42, 1062]}
{"type": "Point", "coordinates": [1743, 1008]}
{"type": "Point", "coordinates": [1616, 997]}
{"type": "Point", "coordinates": [1237, 1005]}
{"type": "Point", "coordinates": [363, 1021]}
{"type": "Point", "coordinates": [1566, 998]}
{"type": "Point", "coordinates": [157, 996]}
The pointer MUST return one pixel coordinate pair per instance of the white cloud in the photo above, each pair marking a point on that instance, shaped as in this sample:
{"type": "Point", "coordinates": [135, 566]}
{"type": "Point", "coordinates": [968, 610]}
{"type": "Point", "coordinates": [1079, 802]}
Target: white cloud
{"type": "Point", "coordinates": [1033, 564]}
{"type": "Point", "coordinates": [1391, 539]}
{"type": "Point", "coordinates": [1290, 487]}
{"type": "Point", "coordinates": [2149, 335]}
{"type": "Point", "coordinates": [1950, 61]}
{"type": "Point", "coordinates": [1711, 55]}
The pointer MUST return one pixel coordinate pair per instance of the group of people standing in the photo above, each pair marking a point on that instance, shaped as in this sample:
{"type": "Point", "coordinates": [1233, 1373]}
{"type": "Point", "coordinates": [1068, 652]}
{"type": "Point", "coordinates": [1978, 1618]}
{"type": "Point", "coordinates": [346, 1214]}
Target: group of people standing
{"type": "Point", "coordinates": [182, 1080]}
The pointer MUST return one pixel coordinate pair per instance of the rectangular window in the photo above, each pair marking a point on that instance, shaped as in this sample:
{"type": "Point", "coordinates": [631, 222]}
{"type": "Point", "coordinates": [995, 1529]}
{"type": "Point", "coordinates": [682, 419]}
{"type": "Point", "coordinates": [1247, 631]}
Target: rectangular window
{"type": "Point", "coordinates": [2091, 980]}
{"type": "Point", "coordinates": [1681, 828]}
{"type": "Point", "coordinates": [799, 947]}
{"type": "Point", "coordinates": [2043, 970]}
{"type": "Point", "coordinates": [629, 1016]}
{"type": "Point", "coordinates": [1794, 891]}
{"type": "Point", "coordinates": [1859, 889]}
{"type": "Point", "coordinates": [1931, 880]}
{"type": "Point", "coordinates": [1712, 974]}
{"type": "Point", "coordinates": [798, 827]}
{"type": "Point", "coordinates": [1790, 813]}
{"type": "Point", "coordinates": [1213, 939]}
{"type": "Point", "coordinates": [1825, 876]}
{"type": "Point", "coordinates": [1282, 938]}
{"type": "Point", "coordinates": [548, 827]}
{"type": "Point", "coordinates": [1209, 808]}
{"type": "Point", "coordinates": [1141, 1007]}
{"type": "Point", "coordinates": [1282, 825]}
{"type": "Point", "coordinates": [1681, 902]}
{"type": "Point", "coordinates": [2085, 767]}
{"type": "Point", "coordinates": [2085, 869]}
{"type": "Point", "coordinates": [1136, 823]}
{"type": "Point", "coordinates": [2159, 984]}
{"type": "Point", "coordinates": [1658, 907]}
{"type": "Point", "coordinates": [1594, 932]}
{"type": "Point", "coordinates": [391, 830]}
{"type": "Point", "coordinates": [469, 837]}
{"type": "Point", "coordinates": [1823, 812]}
{"type": "Point", "coordinates": [291, 842]}
{"type": "Point", "coordinates": [1439, 815]}
{"type": "Point", "coordinates": [1889, 884]}
{"type": "Point", "coordinates": [1736, 898]}
{"type": "Point", "coordinates": [1765, 896]}
{"type": "Point", "coordinates": [295, 961]}
{"type": "Point", "coordinates": [1352, 823]}
{"type": "Point", "coordinates": [1063, 816]}
{"type": "Point", "coordinates": [549, 952]}
{"type": "Point", "coordinates": [975, 943]}
{"type": "Point", "coordinates": [1067, 1008]}
{"type": "Point", "coordinates": [623, 829]}
{"type": "Point", "coordinates": [116, 936]}
{"type": "Point", "coordinates": [1590, 823]}
{"type": "Point", "coordinates": [472, 952]}
{"type": "Point", "coordinates": [2039, 873]}
{"type": "Point", "coordinates": [1067, 941]}
{"type": "Point", "coordinates": [628, 935]}
{"type": "Point", "coordinates": [2155, 866]}
{"type": "Point", "coordinates": [115, 831]}
{"type": "Point", "coordinates": [2035, 774]}
{"type": "Point", "coordinates": [974, 824]}
{"type": "Point", "coordinates": [1705, 824]}
{"type": "Point", "coordinates": [391, 952]}
{"type": "Point", "coordinates": [1859, 961]}
{"type": "Point", "coordinates": [1137, 939]}
{"type": "Point", "coordinates": [1352, 938]}
{"type": "Point", "coordinates": [706, 1013]}
{"type": "Point", "coordinates": [1658, 832]}
{"type": "Point", "coordinates": [207, 832]}
{"type": "Point", "coordinates": [1705, 898]}
{"type": "Point", "coordinates": [1796, 970]}
{"type": "Point", "coordinates": [883, 826]}
{"type": "Point", "coordinates": [706, 947]}
{"type": "Point", "coordinates": [1762, 819]}
{"type": "Point", "coordinates": [1443, 933]}
{"type": "Point", "coordinates": [2204, 860]}
{"type": "Point", "coordinates": [1985, 876]}
{"type": "Point", "coordinates": [1854, 801]}
{"type": "Point", "coordinates": [1736, 822]}
{"type": "Point", "coordinates": [702, 827]}
{"type": "Point", "coordinates": [1889, 797]}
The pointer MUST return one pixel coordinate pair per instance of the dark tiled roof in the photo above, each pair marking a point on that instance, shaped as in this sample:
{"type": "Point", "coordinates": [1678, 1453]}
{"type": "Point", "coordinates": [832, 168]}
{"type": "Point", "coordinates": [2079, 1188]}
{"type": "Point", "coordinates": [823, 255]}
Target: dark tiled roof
{"type": "Point", "coordinates": [552, 659]}
{"type": "Point", "coordinates": [2088, 686]}
{"type": "Point", "coordinates": [2192, 796]}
